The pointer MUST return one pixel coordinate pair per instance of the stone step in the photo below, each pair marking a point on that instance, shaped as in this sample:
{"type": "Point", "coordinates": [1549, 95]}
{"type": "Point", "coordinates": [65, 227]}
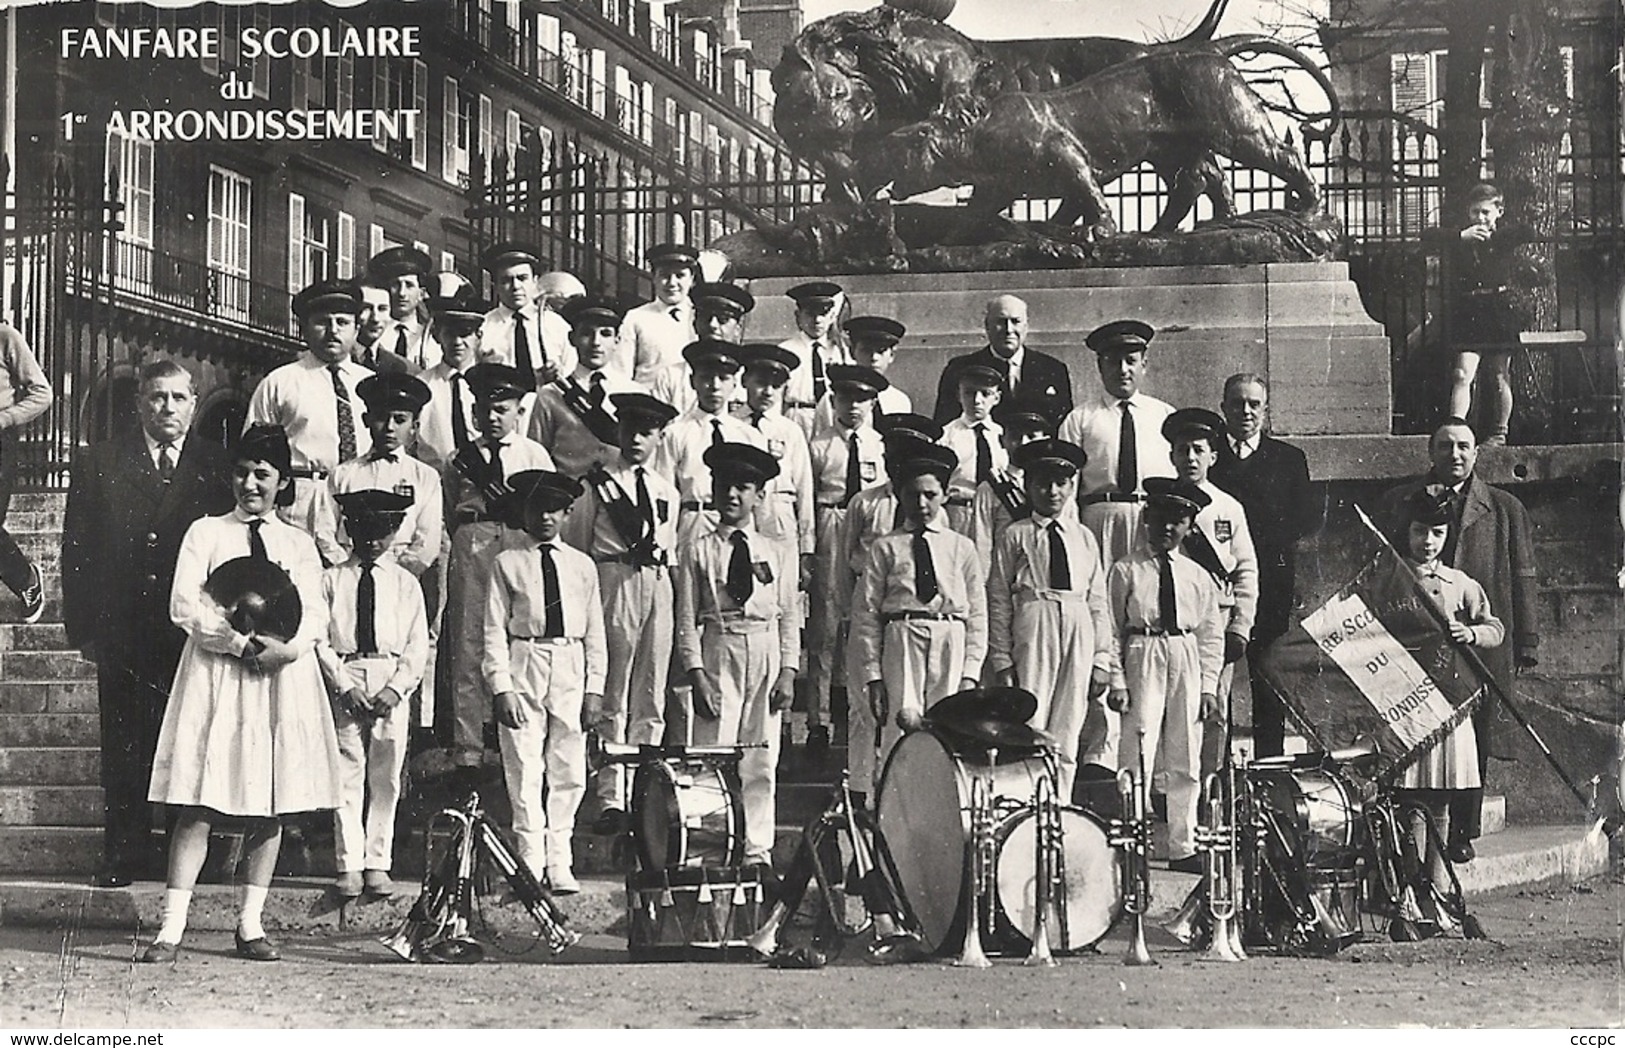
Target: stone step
{"type": "Point", "coordinates": [50, 806]}
{"type": "Point", "coordinates": [22, 697]}
{"type": "Point", "coordinates": [49, 765]}
{"type": "Point", "coordinates": [49, 729]}
{"type": "Point", "coordinates": [74, 850]}
{"type": "Point", "coordinates": [45, 666]}
{"type": "Point", "coordinates": [37, 501]}
{"type": "Point", "coordinates": [40, 636]}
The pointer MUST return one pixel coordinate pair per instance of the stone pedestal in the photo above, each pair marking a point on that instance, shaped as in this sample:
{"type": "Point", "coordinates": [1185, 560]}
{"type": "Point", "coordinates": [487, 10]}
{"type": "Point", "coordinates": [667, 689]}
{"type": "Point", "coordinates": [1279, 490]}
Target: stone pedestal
{"type": "Point", "coordinates": [1299, 324]}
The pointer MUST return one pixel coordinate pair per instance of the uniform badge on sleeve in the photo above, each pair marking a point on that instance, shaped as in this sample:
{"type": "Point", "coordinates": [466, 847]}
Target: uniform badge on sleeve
{"type": "Point", "coordinates": [868, 471]}
{"type": "Point", "coordinates": [403, 488]}
{"type": "Point", "coordinates": [1223, 530]}
{"type": "Point", "coordinates": [763, 570]}
{"type": "Point", "coordinates": [776, 446]}
{"type": "Point", "coordinates": [662, 510]}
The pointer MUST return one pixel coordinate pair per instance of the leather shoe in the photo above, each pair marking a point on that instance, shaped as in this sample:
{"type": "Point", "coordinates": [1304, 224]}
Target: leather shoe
{"type": "Point", "coordinates": [348, 885]}
{"type": "Point", "coordinates": [261, 949]}
{"type": "Point", "coordinates": [562, 882]}
{"type": "Point", "coordinates": [377, 883]}
{"type": "Point", "coordinates": [113, 878]}
{"type": "Point", "coordinates": [1189, 864]}
{"type": "Point", "coordinates": [1460, 851]}
{"type": "Point", "coordinates": [611, 822]}
{"type": "Point", "coordinates": [161, 952]}
{"type": "Point", "coordinates": [817, 741]}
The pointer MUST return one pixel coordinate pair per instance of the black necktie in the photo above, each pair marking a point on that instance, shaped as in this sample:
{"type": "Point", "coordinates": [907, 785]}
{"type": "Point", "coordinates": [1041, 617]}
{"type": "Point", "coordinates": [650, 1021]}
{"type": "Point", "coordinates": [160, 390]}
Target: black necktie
{"type": "Point", "coordinates": [1128, 458]}
{"type": "Point", "coordinates": [401, 345]}
{"type": "Point", "coordinates": [595, 390]}
{"type": "Point", "coordinates": [1060, 568]}
{"type": "Point", "coordinates": [646, 508]}
{"type": "Point", "coordinates": [1167, 602]}
{"type": "Point", "coordinates": [256, 545]}
{"type": "Point", "coordinates": [676, 314]}
{"type": "Point", "coordinates": [925, 572]}
{"type": "Point", "coordinates": [756, 419]}
{"type": "Point", "coordinates": [552, 603]}
{"type": "Point", "coordinates": [166, 462]}
{"type": "Point", "coordinates": [854, 469]}
{"type": "Point", "coordinates": [459, 419]}
{"type": "Point", "coordinates": [741, 582]}
{"type": "Point", "coordinates": [984, 455]}
{"type": "Point", "coordinates": [346, 416]}
{"type": "Point", "coordinates": [366, 612]}
{"type": "Point", "coordinates": [716, 433]}
{"type": "Point", "coordinates": [495, 468]}
{"type": "Point", "coordinates": [521, 352]}
{"type": "Point", "coordinates": [1458, 499]}
{"type": "Point", "coordinates": [819, 384]}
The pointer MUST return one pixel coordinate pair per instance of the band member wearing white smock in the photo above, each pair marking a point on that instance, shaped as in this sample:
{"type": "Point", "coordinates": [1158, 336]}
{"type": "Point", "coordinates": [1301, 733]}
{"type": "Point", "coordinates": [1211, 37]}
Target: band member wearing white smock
{"type": "Point", "coordinates": [248, 732]}
{"type": "Point", "coordinates": [818, 306]}
{"type": "Point", "coordinates": [738, 633]}
{"type": "Point", "coordinates": [544, 662]}
{"type": "Point", "coordinates": [785, 513]}
{"type": "Point", "coordinates": [919, 619]}
{"type": "Point", "coordinates": [1048, 629]}
{"type": "Point", "coordinates": [372, 657]}
{"type": "Point", "coordinates": [1120, 429]}
{"type": "Point", "coordinates": [1023, 418]}
{"type": "Point", "coordinates": [447, 423]}
{"type": "Point", "coordinates": [680, 455]}
{"type": "Point", "coordinates": [626, 521]}
{"type": "Point", "coordinates": [653, 335]}
{"type": "Point", "coordinates": [1166, 652]}
{"type": "Point", "coordinates": [1222, 542]}
{"type": "Point", "coordinates": [975, 439]}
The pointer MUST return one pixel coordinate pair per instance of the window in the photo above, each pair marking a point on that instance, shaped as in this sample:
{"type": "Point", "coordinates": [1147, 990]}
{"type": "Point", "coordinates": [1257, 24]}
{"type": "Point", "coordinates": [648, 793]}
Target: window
{"type": "Point", "coordinates": [396, 85]}
{"type": "Point", "coordinates": [376, 241]}
{"type": "Point", "coordinates": [547, 50]}
{"type": "Point", "coordinates": [598, 91]}
{"type": "Point", "coordinates": [420, 102]}
{"type": "Point", "coordinates": [309, 85]}
{"type": "Point", "coordinates": [230, 222]}
{"type": "Point", "coordinates": [448, 262]}
{"type": "Point", "coordinates": [513, 136]}
{"type": "Point", "coordinates": [130, 182]}
{"type": "Point", "coordinates": [462, 110]}
{"type": "Point", "coordinates": [312, 242]}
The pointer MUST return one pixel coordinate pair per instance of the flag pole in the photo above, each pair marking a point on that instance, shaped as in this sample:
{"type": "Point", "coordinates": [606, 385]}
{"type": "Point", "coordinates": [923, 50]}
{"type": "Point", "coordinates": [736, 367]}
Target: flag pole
{"type": "Point", "coordinates": [1476, 661]}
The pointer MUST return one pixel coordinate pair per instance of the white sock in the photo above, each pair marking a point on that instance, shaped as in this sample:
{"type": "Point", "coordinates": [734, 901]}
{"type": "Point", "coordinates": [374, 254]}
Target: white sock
{"type": "Point", "coordinates": [248, 919]}
{"type": "Point", "coordinates": [176, 902]}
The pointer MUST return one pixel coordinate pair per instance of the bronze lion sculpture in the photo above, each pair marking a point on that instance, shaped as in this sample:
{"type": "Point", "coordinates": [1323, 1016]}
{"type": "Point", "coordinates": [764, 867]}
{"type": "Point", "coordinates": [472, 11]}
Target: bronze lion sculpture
{"type": "Point", "coordinates": [850, 80]}
{"type": "Point", "coordinates": [1171, 108]}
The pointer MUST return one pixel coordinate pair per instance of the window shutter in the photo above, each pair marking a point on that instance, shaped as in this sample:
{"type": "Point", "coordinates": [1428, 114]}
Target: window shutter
{"type": "Point", "coordinates": [380, 98]}
{"type": "Point", "coordinates": [346, 263]}
{"type": "Point", "coordinates": [296, 243]}
{"type": "Point", "coordinates": [420, 102]}
{"type": "Point", "coordinates": [487, 136]}
{"type": "Point", "coordinates": [448, 151]}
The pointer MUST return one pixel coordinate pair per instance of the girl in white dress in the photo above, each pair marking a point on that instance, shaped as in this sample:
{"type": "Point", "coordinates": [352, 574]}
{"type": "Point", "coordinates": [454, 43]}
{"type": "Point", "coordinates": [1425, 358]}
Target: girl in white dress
{"type": "Point", "coordinates": [248, 732]}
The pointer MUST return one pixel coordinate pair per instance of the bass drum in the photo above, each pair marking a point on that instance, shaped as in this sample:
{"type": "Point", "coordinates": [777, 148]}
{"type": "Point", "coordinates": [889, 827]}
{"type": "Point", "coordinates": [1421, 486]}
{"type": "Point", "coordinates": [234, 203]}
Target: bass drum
{"type": "Point", "coordinates": [1094, 888]}
{"type": "Point", "coordinates": [687, 812]}
{"type": "Point", "coordinates": [925, 820]}
{"type": "Point", "coordinates": [1318, 806]}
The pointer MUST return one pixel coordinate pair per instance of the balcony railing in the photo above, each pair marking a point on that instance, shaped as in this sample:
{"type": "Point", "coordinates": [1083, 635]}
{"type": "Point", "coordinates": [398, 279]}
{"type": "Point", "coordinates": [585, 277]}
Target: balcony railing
{"type": "Point", "coordinates": [143, 274]}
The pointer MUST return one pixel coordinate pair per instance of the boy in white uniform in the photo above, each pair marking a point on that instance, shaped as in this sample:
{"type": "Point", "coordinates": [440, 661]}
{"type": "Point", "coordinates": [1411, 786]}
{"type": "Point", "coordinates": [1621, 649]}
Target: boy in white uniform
{"type": "Point", "coordinates": [785, 513]}
{"type": "Point", "coordinates": [545, 662]}
{"type": "Point", "coordinates": [1166, 652]}
{"type": "Point", "coordinates": [573, 418]}
{"type": "Point", "coordinates": [719, 316]}
{"type": "Point", "coordinates": [818, 305]}
{"type": "Point", "coordinates": [653, 335]}
{"type": "Point", "coordinates": [372, 658]}
{"type": "Point", "coordinates": [974, 438]}
{"type": "Point", "coordinates": [627, 523]}
{"type": "Point", "coordinates": [738, 631]}
{"type": "Point", "coordinates": [1221, 542]}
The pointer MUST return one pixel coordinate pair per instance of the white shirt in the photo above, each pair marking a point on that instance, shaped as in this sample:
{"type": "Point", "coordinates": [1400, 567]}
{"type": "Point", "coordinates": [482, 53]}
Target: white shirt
{"type": "Point", "coordinates": [514, 608]}
{"type": "Point", "coordinates": [299, 397]}
{"type": "Point", "coordinates": [546, 333]}
{"type": "Point", "coordinates": [1224, 522]}
{"type": "Point", "coordinates": [800, 392]}
{"type": "Point", "coordinates": [1244, 448]}
{"type": "Point", "coordinates": [960, 436]}
{"type": "Point", "coordinates": [786, 509]}
{"type": "Point", "coordinates": [590, 528]}
{"type": "Point", "coordinates": [891, 401]}
{"type": "Point", "coordinates": [679, 456]}
{"type": "Point", "coordinates": [436, 444]}
{"type": "Point", "coordinates": [417, 543]}
{"type": "Point", "coordinates": [653, 339]}
{"type": "Point", "coordinates": [422, 351]}
{"type": "Point", "coordinates": [702, 597]}
{"type": "Point", "coordinates": [153, 447]}
{"type": "Point", "coordinates": [514, 454]}
{"type": "Point", "coordinates": [399, 625]}
{"type": "Point", "coordinates": [1095, 427]}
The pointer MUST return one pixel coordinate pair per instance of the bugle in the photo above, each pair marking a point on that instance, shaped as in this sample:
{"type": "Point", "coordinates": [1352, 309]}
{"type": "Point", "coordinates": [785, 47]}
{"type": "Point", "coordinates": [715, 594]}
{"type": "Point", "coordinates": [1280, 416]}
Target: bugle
{"type": "Point", "coordinates": [537, 901]}
{"type": "Point", "coordinates": [1046, 868]}
{"type": "Point", "coordinates": [979, 867]}
{"type": "Point", "coordinates": [1217, 841]}
{"type": "Point", "coordinates": [1133, 835]}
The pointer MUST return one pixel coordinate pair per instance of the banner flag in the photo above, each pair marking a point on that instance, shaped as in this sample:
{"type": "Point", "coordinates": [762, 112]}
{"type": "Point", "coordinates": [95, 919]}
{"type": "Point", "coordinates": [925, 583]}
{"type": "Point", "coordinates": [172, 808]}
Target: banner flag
{"type": "Point", "coordinates": [1375, 663]}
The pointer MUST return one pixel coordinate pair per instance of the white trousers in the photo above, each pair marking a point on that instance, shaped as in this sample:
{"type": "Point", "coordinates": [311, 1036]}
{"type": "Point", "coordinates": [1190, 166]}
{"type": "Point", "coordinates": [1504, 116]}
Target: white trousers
{"type": "Point", "coordinates": [638, 636]}
{"type": "Point", "coordinates": [474, 549]}
{"type": "Point", "coordinates": [545, 762]}
{"type": "Point", "coordinates": [1116, 527]}
{"type": "Point", "coordinates": [743, 661]}
{"type": "Point", "coordinates": [921, 662]}
{"type": "Point", "coordinates": [371, 756]}
{"type": "Point", "coordinates": [1053, 655]}
{"type": "Point", "coordinates": [826, 623]}
{"type": "Point", "coordinates": [1164, 679]}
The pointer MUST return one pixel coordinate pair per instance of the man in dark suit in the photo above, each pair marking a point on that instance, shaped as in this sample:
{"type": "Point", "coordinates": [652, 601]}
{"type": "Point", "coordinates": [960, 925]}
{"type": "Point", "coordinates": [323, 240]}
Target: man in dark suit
{"type": "Point", "coordinates": [129, 504]}
{"type": "Point", "coordinates": [370, 325]}
{"type": "Point", "coordinates": [1493, 542]}
{"type": "Point", "coordinates": [1270, 478]}
{"type": "Point", "coordinates": [1026, 371]}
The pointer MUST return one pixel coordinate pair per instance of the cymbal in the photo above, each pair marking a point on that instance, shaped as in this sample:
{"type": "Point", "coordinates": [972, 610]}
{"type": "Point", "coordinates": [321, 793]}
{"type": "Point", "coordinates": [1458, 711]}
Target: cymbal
{"type": "Point", "coordinates": [1013, 705]}
{"type": "Point", "coordinates": [1005, 735]}
{"type": "Point", "coordinates": [257, 596]}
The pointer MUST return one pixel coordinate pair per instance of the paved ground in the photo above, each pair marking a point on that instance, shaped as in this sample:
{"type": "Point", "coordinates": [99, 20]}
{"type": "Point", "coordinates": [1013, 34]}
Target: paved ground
{"type": "Point", "coordinates": [1554, 961]}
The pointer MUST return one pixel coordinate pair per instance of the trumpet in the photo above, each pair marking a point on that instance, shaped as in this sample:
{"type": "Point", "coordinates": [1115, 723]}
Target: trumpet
{"type": "Point", "coordinates": [1132, 834]}
{"type": "Point", "coordinates": [979, 866]}
{"type": "Point", "coordinates": [1048, 869]}
{"type": "Point", "coordinates": [436, 928]}
{"type": "Point", "coordinates": [537, 901]}
{"type": "Point", "coordinates": [1221, 878]}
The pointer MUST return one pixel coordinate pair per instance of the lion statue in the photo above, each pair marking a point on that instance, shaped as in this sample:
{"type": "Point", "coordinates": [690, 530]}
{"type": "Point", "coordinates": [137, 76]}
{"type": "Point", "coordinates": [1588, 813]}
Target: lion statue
{"type": "Point", "coordinates": [1172, 108]}
{"type": "Point", "coordinates": [850, 80]}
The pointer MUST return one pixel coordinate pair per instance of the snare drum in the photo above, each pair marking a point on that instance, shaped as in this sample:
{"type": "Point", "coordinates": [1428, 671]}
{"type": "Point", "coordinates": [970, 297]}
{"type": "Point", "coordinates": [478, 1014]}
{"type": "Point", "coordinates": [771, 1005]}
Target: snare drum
{"type": "Point", "coordinates": [1318, 806]}
{"type": "Point", "coordinates": [1093, 897]}
{"type": "Point", "coordinates": [925, 819]}
{"type": "Point", "coordinates": [687, 812]}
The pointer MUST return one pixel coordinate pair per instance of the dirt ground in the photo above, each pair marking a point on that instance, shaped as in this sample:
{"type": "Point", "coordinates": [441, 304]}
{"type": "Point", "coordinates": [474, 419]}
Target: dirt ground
{"type": "Point", "coordinates": [1554, 961]}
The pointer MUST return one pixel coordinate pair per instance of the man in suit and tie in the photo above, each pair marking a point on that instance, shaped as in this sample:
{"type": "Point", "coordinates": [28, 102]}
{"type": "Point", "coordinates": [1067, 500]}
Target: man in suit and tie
{"type": "Point", "coordinates": [1492, 540]}
{"type": "Point", "coordinates": [403, 274]}
{"type": "Point", "coordinates": [1270, 478]}
{"type": "Point", "coordinates": [1026, 370]}
{"type": "Point", "coordinates": [370, 325]}
{"type": "Point", "coordinates": [129, 504]}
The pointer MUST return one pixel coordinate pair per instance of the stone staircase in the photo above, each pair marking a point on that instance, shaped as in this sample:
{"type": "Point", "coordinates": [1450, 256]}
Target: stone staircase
{"type": "Point", "coordinates": [50, 797]}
